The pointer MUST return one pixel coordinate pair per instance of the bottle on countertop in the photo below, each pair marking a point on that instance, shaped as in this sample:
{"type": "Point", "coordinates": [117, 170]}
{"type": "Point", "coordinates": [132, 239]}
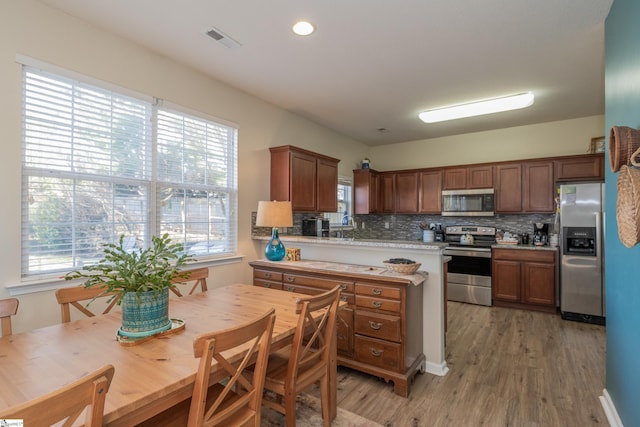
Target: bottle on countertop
{"type": "Point", "coordinates": [345, 218]}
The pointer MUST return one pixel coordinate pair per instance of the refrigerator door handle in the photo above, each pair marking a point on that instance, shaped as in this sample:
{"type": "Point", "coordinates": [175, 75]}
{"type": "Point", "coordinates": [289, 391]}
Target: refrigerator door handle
{"type": "Point", "coordinates": [599, 240]}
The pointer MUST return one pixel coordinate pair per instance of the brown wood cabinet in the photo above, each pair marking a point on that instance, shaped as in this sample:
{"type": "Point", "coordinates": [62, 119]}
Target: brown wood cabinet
{"type": "Point", "coordinates": [406, 192]}
{"type": "Point", "coordinates": [430, 193]}
{"type": "Point", "coordinates": [538, 185]}
{"type": "Point", "coordinates": [580, 168]}
{"type": "Point", "coordinates": [455, 178]}
{"type": "Point", "coordinates": [524, 278]}
{"type": "Point", "coordinates": [379, 331]}
{"type": "Point", "coordinates": [309, 180]}
{"type": "Point", "coordinates": [508, 191]}
{"type": "Point", "coordinates": [459, 178]}
{"type": "Point", "coordinates": [365, 191]}
{"type": "Point", "coordinates": [387, 195]}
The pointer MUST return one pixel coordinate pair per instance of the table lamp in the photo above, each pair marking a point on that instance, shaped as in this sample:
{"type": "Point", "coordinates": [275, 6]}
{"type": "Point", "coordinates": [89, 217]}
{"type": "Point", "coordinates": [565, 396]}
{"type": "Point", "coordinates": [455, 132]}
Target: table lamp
{"type": "Point", "coordinates": [274, 214]}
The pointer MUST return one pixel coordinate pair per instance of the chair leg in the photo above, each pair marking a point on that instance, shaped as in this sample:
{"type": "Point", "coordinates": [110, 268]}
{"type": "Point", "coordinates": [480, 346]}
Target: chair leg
{"type": "Point", "coordinates": [324, 400]}
{"type": "Point", "coordinates": [290, 409]}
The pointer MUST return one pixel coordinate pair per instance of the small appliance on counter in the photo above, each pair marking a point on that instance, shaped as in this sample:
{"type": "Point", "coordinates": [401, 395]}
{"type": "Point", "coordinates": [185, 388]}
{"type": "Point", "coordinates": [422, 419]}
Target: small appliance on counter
{"type": "Point", "coordinates": [540, 234]}
{"type": "Point", "coordinates": [318, 227]}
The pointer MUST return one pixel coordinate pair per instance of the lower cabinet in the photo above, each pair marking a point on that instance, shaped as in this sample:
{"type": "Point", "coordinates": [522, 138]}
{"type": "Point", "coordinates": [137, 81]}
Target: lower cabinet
{"type": "Point", "coordinates": [379, 331]}
{"type": "Point", "coordinates": [524, 278]}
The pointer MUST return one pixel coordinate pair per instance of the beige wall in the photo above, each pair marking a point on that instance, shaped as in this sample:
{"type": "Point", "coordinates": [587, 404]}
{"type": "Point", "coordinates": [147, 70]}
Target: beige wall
{"type": "Point", "coordinates": [32, 29]}
{"type": "Point", "coordinates": [524, 142]}
{"type": "Point", "coordinates": [29, 28]}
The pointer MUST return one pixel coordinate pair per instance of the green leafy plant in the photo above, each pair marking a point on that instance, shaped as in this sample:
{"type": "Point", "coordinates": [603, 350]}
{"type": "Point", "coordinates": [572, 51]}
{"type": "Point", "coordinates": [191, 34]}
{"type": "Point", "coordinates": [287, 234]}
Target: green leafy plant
{"type": "Point", "coordinates": [122, 271]}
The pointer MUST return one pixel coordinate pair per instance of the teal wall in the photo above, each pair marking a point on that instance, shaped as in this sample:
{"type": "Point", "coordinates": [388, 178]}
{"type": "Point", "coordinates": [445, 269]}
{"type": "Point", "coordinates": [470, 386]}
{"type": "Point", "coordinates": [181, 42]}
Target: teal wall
{"type": "Point", "coordinates": [622, 87]}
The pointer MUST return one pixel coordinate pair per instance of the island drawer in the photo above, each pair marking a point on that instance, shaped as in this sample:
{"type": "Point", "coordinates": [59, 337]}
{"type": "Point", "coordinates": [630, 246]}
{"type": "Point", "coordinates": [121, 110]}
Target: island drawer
{"type": "Point", "coordinates": [267, 275]}
{"type": "Point", "coordinates": [377, 325]}
{"type": "Point", "coordinates": [267, 284]}
{"type": "Point", "coordinates": [378, 291]}
{"type": "Point", "coordinates": [325, 284]}
{"type": "Point", "coordinates": [383, 354]}
{"type": "Point", "coordinates": [377, 303]}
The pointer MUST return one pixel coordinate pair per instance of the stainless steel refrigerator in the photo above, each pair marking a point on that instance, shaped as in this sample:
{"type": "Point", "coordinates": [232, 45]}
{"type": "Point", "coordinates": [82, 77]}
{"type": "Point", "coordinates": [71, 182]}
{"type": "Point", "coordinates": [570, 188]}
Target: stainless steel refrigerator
{"type": "Point", "coordinates": [582, 287]}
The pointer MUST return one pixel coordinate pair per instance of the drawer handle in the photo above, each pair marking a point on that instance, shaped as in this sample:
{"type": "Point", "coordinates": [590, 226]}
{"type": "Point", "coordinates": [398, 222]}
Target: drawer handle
{"type": "Point", "coordinates": [344, 298]}
{"type": "Point", "coordinates": [376, 353]}
{"type": "Point", "coordinates": [290, 288]}
{"type": "Point", "coordinates": [376, 304]}
{"type": "Point", "coordinates": [377, 291]}
{"type": "Point", "coordinates": [267, 285]}
{"type": "Point", "coordinates": [343, 286]}
{"type": "Point", "coordinates": [375, 325]}
{"type": "Point", "coordinates": [291, 279]}
{"type": "Point", "coordinates": [267, 275]}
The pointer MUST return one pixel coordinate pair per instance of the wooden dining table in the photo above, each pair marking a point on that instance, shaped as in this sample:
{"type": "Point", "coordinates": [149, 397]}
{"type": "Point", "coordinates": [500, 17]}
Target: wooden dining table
{"type": "Point", "coordinates": [150, 376]}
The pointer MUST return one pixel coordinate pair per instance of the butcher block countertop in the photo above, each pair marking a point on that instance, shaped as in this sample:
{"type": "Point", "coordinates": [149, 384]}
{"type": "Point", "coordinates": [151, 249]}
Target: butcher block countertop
{"type": "Point", "coordinates": [350, 270]}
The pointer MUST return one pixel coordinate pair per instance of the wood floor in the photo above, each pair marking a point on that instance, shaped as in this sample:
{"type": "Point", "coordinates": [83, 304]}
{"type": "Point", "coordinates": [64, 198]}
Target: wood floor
{"type": "Point", "coordinates": [506, 368]}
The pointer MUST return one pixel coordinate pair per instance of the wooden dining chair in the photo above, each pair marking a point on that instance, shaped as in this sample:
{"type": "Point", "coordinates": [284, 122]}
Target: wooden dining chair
{"type": "Point", "coordinates": [198, 276]}
{"type": "Point", "coordinates": [307, 360]}
{"type": "Point", "coordinates": [77, 295]}
{"type": "Point", "coordinates": [67, 403]}
{"type": "Point", "coordinates": [8, 308]}
{"type": "Point", "coordinates": [235, 401]}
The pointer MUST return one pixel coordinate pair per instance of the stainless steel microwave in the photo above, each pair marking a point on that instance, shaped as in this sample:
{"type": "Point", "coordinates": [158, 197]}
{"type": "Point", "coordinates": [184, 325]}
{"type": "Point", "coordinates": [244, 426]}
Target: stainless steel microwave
{"type": "Point", "coordinates": [476, 202]}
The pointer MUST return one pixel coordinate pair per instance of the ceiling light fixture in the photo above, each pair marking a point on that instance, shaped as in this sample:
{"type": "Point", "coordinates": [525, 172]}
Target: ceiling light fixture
{"type": "Point", "coordinates": [477, 108]}
{"type": "Point", "coordinates": [303, 28]}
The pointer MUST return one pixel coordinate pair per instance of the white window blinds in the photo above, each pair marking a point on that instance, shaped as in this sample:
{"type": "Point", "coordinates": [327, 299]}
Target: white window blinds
{"type": "Point", "coordinates": [98, 164]}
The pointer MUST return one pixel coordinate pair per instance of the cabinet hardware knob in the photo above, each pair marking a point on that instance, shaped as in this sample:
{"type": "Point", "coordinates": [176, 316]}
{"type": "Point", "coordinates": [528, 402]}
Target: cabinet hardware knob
{"type": "Point", "coordinates": [267, 275]}
{"type": "Point", "coordinates": [376, 304]}
{"type": "Point", "coordinates": [290, 288]}
{"type": "Point", "coordinates": [376, 353]}
{"type": "Point", "coordinates": [376, 291]}
{"type": "Point", "coordinates": [375, 325]}
{"type": "Point", "coordinates": [343, 286]}
{"type": "Point", "coordinates": [291, 279]}
{"type": "Point", "coordinates": [343, 298]}
{"type": "Point", "coordinates": [267, 285]}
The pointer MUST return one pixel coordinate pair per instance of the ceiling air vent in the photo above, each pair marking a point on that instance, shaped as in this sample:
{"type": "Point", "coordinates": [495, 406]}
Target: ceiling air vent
{"type": "Point", "coordinates": [222, 38]}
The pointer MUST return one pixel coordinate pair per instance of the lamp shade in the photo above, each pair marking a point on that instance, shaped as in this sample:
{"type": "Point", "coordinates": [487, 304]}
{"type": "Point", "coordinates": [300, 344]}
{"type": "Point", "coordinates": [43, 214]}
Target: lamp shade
{"type": "Point", "coordinates": [274, 214]}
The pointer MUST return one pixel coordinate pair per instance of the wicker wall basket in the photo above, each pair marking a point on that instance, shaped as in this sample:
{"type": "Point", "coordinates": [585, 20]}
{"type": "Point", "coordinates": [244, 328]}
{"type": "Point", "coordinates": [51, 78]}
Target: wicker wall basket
{"type": "Point", "coordinates": [623, 144]}
{"type": "Point", "coordinates": [628, 206]}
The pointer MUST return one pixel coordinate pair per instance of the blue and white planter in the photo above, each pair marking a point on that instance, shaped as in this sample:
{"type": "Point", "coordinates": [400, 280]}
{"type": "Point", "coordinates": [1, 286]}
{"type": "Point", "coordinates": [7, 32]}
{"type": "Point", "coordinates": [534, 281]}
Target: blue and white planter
{"type": "Point", "coordinates": [145, 313]}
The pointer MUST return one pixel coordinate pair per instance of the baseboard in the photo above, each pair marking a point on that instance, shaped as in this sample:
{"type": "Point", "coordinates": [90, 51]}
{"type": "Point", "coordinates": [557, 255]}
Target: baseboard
{"type": "Point", "coordinates": [610, 409]}
{"type": "Point", "coordinates": [437, 369]}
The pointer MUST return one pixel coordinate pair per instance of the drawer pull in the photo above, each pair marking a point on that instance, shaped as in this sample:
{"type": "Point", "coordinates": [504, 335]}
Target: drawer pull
{"type": "Point", "coordinates": [291, 279]}
{"type": "Point", "coordinates": [375, 325]}
{"type": "Point", "coordinates": [267, 285]}
{"type": "Point", "coordinates": [344, 298]}
{"type": "Point", "coordinates": [343, 286]}
{"type": "Point", "coordinates": [290, 288]}
{"type": "Point", "coordinates": [376, 304]}
{"type": "Point", "coordinates": [376, 353]}
{"type": "Point", "coordinates": [376, 291]}
{"type": "Point", "coordinates": [267, 275]}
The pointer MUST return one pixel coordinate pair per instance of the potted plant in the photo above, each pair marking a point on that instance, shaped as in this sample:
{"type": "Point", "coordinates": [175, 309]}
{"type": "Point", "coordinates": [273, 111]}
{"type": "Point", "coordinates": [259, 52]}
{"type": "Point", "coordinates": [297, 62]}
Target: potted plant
{"type": "Point", "coordinates": [140, 280]}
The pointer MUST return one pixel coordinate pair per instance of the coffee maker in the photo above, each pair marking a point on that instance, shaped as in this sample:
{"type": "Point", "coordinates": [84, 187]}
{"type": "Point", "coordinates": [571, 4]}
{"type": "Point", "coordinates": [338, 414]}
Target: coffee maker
{"type": "Point", "coordinates": [540, 234]}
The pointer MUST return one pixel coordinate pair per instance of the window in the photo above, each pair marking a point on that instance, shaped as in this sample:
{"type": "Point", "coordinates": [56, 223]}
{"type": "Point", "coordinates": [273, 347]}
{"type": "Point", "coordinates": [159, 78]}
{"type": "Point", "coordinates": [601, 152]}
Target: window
{"type": "Point", "coordinates": [98, 164]}
{"type": "Point", "coordinates": [344, 202]}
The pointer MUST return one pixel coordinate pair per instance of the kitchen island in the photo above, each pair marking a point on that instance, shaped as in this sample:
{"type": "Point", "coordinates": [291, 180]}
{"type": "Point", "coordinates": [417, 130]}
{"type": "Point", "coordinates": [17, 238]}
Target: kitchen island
{"type": "Point", "coordinates": [373, 253]}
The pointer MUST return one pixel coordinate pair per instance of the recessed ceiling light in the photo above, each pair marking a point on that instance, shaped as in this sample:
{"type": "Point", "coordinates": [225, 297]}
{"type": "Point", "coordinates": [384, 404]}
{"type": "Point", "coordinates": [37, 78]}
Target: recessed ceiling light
{"type": "Point", "coordinates": [477, 108]}
{"type": "Point", "coordinates": [303, 28]}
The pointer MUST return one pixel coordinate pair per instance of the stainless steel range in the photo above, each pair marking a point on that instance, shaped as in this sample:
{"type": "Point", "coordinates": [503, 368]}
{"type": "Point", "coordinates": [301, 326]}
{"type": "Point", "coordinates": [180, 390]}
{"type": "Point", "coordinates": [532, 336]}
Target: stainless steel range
{"type": "Point", "coordinates": [469, 271]}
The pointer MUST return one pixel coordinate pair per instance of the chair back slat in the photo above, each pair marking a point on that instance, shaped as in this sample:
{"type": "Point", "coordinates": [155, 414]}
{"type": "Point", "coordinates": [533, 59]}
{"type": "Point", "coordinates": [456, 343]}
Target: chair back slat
{"type": "Point", "coordinates": [67, 403]}
{"type": "Point", "coordinates": [79, 297]}
{"type": "Point", "coordinates": [8, 308]}
{"type": "Point", "coordinates": [198, 276]}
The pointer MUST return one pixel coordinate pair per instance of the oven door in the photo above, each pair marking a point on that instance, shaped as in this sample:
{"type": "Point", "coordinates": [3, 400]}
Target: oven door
{"type": "Point", "coordinates": [469, 275]}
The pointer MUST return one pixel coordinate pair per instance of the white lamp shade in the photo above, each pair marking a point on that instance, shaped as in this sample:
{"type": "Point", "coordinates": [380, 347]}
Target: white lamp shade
{"type": "Point", "coordinates": [274, 214]}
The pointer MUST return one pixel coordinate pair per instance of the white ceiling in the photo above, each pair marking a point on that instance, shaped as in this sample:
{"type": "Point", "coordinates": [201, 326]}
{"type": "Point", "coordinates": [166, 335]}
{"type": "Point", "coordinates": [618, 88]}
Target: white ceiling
{"type": "Point", "coordinates": [375, 64]}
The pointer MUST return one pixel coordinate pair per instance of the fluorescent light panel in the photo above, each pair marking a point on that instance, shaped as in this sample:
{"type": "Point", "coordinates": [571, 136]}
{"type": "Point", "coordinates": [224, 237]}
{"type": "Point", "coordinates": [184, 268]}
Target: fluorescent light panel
{"type": "Point", "coordinates": [477, 108]}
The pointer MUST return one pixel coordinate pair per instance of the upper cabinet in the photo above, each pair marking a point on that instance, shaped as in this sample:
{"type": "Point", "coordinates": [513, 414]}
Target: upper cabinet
{"type": "Point", "coordinates": [508, 191]}
{"type": "Point", "coordinates": [387, 193]}
{"type": "Point", "coordinates": [309, 180]}
{"type": "Point", "coordinates": [477, 176]}
{"type": "Point", "coordinates": [580, 168]}
{"type": "Point", "coordinates": [538, 187]}
{"type": "Point", "coordinates": [365, 191]}
{"type": "Point", "coordinates": [430, 193]}
{"type": "Point", "coordinates": [406, 192]}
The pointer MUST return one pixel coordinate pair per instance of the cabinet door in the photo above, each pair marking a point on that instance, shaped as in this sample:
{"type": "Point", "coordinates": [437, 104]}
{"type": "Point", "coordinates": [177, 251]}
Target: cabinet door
{"type": "Point", "coordinates": [365, 191]}
{"type": "Point", "coordinates": [303, 182]}
{"type": "Point", "coordinates": [505, 281]}
{"type": "Point", "coordinates": [509, 188]}
{"type": "Point", "coordinates": [345, 331]}
{"type": "Point", "coordinates": [538, 187]}
{"type": "Point", "coordinates": [406, 192]}
{"type": "Point", "coordinates": [430, 193]}
{"type": "Point", "coordinates": [387, 192]}
{"type": "Point", "coordinates": [589, 167]}
{"type": "Point", "coordinates": [480, 177]}
{"type": "Point", "coordinates": [327, 186]}
{"type": "Point", "coordinates": [455, 178]}
{"type": "Point", "coordinates": [538, 283]}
